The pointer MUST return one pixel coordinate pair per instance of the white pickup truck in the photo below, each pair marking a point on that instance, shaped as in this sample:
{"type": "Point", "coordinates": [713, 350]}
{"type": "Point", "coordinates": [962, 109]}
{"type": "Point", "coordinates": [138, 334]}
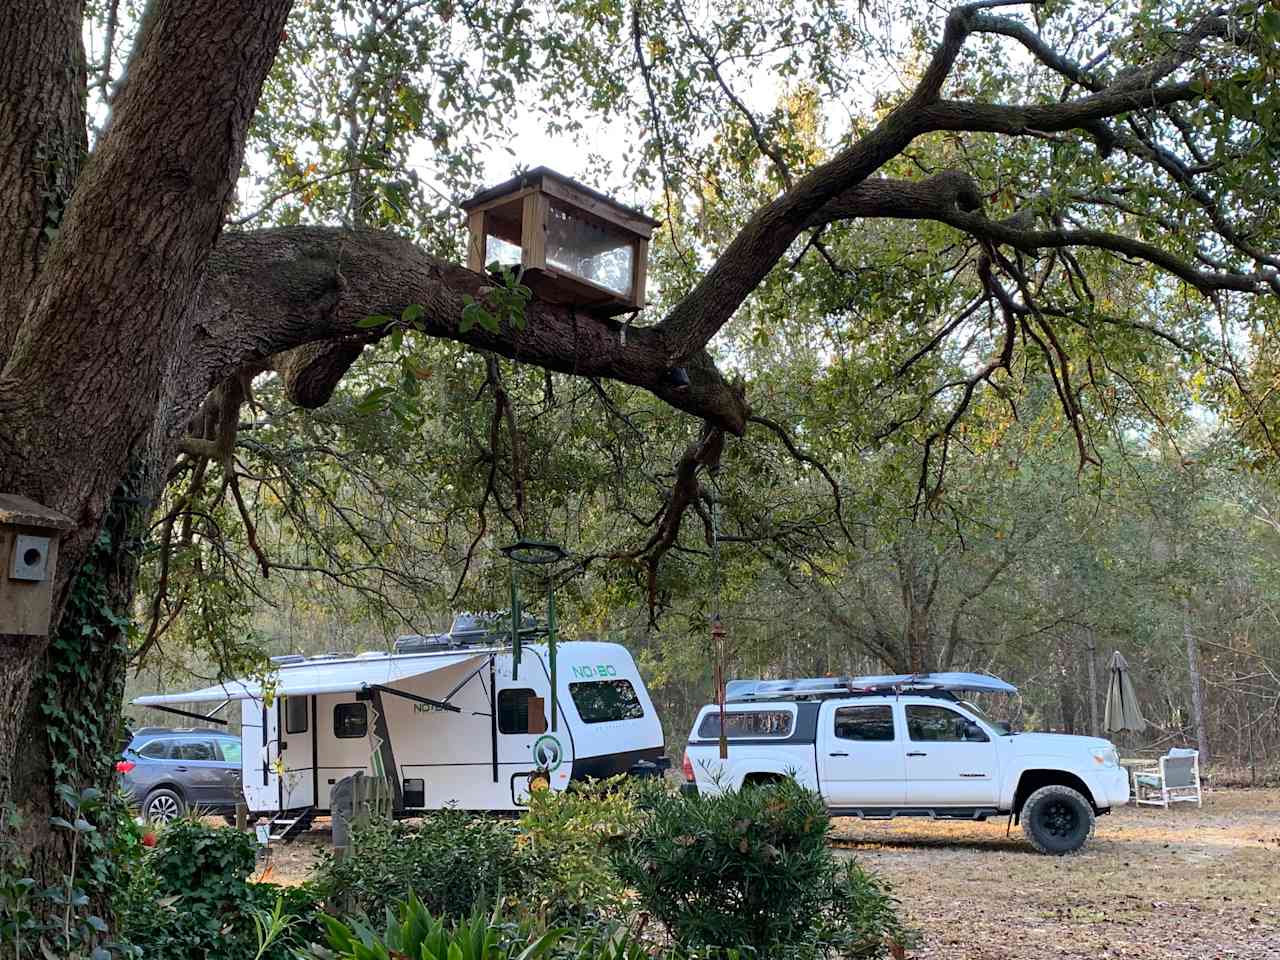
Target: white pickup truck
{"type": "Point", "coordinates": [884, 747]}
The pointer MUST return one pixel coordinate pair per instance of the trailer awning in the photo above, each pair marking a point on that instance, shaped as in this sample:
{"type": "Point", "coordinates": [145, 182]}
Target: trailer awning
{"type": "Point", "coordinates": [325, 676]}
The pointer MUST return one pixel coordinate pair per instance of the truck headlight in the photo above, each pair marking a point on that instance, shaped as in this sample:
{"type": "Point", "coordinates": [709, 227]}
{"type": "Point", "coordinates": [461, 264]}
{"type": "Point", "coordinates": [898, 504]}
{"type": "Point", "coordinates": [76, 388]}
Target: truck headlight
{"type": "Point", "coordinates": [1106, 757]}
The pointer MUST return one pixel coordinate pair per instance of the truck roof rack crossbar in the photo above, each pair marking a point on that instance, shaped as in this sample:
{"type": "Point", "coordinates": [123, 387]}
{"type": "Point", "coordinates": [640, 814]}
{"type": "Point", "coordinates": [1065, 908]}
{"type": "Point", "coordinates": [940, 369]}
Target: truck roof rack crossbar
{"type": "Point", "coordinates": [739, 691]}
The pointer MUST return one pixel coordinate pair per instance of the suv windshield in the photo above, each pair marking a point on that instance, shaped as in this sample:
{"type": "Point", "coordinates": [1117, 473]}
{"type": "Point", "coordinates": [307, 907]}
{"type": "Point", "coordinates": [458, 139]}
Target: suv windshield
{"type": "Point", "coordinates": [999, 726]}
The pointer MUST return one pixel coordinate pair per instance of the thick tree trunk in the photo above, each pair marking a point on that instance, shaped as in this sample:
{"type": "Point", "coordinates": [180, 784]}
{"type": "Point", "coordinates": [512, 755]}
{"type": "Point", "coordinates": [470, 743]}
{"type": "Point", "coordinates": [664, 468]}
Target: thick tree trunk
{"type": "Point", "coordinates": [42, 139]}
{"type": "Point", "coordinates": [102, 323]}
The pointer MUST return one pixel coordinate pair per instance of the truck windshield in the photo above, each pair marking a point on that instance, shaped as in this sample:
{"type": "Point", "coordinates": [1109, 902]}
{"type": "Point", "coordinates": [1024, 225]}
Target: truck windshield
{"type": "Point", "coordinates": [998, 726]}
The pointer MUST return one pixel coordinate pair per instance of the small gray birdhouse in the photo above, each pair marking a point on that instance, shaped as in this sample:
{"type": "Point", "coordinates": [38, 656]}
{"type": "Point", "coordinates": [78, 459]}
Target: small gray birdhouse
{"type": "Point", "coordinates": [577, 246]}
{"type": "Point", "coordinates": [29, 536]}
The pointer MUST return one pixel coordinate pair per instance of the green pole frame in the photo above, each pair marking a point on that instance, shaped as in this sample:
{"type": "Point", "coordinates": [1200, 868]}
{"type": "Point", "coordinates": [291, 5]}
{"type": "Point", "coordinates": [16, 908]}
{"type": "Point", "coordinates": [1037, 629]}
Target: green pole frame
{"type": "Point", "coordinates": [515, 624]}
{"type": "Point", "coordinates": [551, 654]}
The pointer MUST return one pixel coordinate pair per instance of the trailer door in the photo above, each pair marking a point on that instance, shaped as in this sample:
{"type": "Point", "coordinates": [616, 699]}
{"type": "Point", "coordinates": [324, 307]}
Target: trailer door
{"type": "Point", "coordinates": [260, 735]}
{"type": "Point", "coordinates": [297, 747]}
{"type": "Point", "coordinates": [525, 743]}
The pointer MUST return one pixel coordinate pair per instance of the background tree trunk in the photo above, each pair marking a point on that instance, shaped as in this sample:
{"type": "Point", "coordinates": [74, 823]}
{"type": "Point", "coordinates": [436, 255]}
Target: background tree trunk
{"type": "Point", "coordinates": [1196, 681]}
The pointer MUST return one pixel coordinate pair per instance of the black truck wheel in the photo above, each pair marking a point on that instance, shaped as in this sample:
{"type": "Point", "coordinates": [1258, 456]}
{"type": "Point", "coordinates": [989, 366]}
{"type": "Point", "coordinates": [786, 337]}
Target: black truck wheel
{"type": "Point", "coordinates": [1057, 819]}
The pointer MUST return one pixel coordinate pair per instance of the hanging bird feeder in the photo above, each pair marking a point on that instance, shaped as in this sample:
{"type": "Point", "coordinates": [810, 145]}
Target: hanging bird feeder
{"type": "Point", "coordinates": [576, 246]}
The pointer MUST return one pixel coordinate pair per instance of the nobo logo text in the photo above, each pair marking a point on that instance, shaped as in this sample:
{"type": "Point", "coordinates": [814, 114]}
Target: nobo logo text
{"type": "Point", "coordinates": [600, 670]}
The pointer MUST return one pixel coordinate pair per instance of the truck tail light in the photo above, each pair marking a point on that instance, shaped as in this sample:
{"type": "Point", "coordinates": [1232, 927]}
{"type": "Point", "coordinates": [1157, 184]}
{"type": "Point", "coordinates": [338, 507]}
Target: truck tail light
{"type": "Point", "coordinates": [687, 767]}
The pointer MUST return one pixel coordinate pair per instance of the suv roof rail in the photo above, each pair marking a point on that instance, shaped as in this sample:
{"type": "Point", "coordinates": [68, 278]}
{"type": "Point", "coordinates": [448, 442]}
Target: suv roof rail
{"type": "Point", "coordinates": [739, 691]}
{"type": "Point", "coordinates": [177, 731]}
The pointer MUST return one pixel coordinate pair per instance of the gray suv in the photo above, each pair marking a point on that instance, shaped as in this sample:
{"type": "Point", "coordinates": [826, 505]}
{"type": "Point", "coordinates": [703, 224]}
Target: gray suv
{"type": "Point", "coordinates": [166, 772]}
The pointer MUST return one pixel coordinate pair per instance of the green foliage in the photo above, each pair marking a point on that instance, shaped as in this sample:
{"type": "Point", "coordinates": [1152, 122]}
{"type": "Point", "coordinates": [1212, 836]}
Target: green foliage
{"type": "Point", "coordinates": [412, 931]}
{"type": "Point", "coordinates": [60, 920]}
{"type": "Point", "coordinates": [566, 837]}
{"type": "Point", "coordinates": [451, 861]}
{"type": "Point", "coordinates": [753, 867]}
{"type": "Point", "coordinates": [190, 897]}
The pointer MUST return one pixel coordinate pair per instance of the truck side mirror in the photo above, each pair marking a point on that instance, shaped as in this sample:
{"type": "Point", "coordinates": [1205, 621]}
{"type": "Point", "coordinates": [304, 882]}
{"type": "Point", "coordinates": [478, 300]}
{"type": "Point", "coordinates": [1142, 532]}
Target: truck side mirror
{"type": "Point", "coordinates": [973, 732]}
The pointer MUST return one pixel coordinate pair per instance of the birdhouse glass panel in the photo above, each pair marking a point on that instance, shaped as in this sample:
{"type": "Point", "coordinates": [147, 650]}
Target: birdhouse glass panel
{"type": "Point", "coordinates": [589, 248]}
{"type": "Point", "coordinates": [499, 251]}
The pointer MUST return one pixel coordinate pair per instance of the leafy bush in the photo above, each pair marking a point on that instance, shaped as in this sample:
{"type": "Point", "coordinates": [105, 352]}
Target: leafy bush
{"type": "Point", "coordinates": [752, 867]}
{"type": "Point", "coordinates": [452, 862]}
{"type": "Point", "coordinates": [191, 897]}
{"type": "Point", "coordinates": [566, 839]}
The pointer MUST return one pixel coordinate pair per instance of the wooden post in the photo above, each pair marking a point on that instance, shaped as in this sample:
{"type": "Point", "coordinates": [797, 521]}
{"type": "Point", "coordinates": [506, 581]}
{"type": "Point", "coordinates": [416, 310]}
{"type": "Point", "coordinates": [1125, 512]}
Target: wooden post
{"type": "Point", "coordinates": [242, 816]}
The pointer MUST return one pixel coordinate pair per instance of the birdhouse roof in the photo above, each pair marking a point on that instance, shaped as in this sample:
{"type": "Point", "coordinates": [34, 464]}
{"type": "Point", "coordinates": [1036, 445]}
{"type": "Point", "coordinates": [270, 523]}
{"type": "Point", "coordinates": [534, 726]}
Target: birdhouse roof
{"type": "Point", "coordinates": [20, 512]}
{"type": "Point", "coordinates": [539, 176]}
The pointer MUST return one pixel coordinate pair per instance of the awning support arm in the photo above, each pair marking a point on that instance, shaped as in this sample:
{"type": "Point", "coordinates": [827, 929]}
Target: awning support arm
{"type": "Point", "coordinates": [463, 682]}
{"type": "Point", "coordinates": [187, 713]}
{"type": "Point", "coordinates": [438, 704]}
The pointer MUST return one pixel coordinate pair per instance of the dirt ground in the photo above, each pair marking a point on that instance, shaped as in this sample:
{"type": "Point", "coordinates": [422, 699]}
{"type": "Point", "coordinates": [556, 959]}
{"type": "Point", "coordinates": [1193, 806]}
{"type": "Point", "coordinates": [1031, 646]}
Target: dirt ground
{"type": "Point", "coordinates": [1152, 884]}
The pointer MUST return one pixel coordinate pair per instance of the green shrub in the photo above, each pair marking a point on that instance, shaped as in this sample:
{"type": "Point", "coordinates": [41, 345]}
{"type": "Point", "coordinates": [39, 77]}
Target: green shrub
{"type": "Point", "coordinates": [566, 839]}
{"type": "Point", "coordinates": [451, 861]}
{"type": "Point", "coordinates": [191, 897]}
{"type": "Point", "coordinates": [752, 868]}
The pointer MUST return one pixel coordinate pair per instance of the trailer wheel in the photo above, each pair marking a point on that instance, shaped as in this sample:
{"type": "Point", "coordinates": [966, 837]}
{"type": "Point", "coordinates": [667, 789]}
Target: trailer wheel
{"type": "Point", "coordinates": [1057, 819]}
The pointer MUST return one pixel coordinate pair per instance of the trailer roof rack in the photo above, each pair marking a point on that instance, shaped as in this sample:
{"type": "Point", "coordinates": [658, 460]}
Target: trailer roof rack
{"type": "Point", "coordinates": [740, 691]}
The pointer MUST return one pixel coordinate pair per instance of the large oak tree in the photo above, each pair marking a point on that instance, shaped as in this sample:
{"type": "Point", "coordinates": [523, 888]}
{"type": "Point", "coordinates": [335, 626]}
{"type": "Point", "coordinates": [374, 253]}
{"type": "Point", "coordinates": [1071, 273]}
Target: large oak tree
{"type": "Point", "coordinates": [131, 317]}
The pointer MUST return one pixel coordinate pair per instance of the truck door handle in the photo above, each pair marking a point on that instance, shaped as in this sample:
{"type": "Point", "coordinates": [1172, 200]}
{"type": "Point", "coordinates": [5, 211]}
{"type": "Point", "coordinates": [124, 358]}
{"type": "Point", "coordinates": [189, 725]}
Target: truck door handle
{"type": "Point", "coordinates": [917, 754]}
{"type": "Point", "coordinates": [837, 754]}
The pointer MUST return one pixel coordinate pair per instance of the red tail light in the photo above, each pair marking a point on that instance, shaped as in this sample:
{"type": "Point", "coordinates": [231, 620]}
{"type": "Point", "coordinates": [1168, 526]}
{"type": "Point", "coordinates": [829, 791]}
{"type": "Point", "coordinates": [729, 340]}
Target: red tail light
{"type": "Point", "coordinates": [687, 767]}
{"type": "Point", "coordinates": [124, 766]}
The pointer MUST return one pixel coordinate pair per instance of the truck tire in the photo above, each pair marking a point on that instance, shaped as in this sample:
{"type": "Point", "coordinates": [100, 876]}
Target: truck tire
{"type": "Point", "coordinates": [1057, 819]}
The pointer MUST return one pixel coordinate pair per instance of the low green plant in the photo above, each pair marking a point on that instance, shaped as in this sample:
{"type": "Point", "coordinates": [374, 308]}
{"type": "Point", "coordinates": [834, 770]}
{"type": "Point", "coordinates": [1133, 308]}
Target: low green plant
{"type": "Point", "coordinates": [58, 920]}
{"type": "Point", "coordinates": [190, 897]}
{"type": "Point", "coordinates": [566, 839]}
{"type": "Point", "coordinates": [412, 932]}
{"type": "Point", "coordinates": [452, 861]}
{"type": "Point", "coordinates": [752, 868]}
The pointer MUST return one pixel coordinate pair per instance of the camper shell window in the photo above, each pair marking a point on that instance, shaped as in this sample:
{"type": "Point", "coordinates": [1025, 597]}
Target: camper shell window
{"type": "Point", "coordinates": [295, 714]}
{"type": "Point", "coordinates": [603, 701]}
{"type": "Point", "coordinates": [748, 723]}
{"type": "Point", "coordinates": [521, 711]}
{"type": "Point", "coordinates": [350, 721]}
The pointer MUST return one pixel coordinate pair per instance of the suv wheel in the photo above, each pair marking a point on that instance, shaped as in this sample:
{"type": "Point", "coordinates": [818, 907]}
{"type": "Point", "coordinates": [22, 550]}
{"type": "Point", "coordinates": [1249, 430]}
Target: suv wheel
{"type": "Point", "coordinates": [1057, 819]}
{"type": "Point", "coordinates": [163, 806]}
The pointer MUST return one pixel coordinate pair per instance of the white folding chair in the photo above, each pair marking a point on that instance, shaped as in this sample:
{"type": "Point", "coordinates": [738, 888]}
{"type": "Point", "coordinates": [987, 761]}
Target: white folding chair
{"type": "Point", "coordinates": [1174, 779]}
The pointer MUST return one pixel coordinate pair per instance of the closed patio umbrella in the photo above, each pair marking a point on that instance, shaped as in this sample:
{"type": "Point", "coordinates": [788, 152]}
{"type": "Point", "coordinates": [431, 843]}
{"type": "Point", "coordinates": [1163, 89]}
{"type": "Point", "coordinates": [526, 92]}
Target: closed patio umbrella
{"type": "Point", "coordinates": [1122, 701]}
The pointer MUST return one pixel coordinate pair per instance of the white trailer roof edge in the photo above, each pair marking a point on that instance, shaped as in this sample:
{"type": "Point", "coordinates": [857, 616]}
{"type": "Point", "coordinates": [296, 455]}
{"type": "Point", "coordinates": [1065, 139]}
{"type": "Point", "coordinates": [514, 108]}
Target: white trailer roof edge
{"type": "Point", "coordinates": [326, 676]}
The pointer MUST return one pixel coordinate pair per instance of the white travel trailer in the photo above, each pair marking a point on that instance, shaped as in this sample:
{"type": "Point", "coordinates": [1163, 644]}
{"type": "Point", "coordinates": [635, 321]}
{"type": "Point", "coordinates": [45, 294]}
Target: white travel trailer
{"type": "Point", "coordinates": [427, 718]}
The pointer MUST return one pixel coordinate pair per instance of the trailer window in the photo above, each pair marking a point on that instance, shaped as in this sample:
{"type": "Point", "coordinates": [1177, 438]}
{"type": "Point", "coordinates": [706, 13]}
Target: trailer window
{"type": "Point", "coordinates": [521, 711]}
{"type": "Point", "coordinates": [874, 723]}
{"type": "Point", "coordinates": [350, 721]}
{"type": "Point", "coordinates": [295, 715]}
{"type": "Point", "coordinates": [602, 701]}
{"type": "Point", "coordinates": [748, 723]}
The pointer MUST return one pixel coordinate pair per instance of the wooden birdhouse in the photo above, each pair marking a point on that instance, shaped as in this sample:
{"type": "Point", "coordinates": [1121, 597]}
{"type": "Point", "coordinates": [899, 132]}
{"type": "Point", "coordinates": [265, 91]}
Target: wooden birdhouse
{"type": "Point", "coordinates": [577, 246]}
{"type": "Point", "coordinates": [29, 553]}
